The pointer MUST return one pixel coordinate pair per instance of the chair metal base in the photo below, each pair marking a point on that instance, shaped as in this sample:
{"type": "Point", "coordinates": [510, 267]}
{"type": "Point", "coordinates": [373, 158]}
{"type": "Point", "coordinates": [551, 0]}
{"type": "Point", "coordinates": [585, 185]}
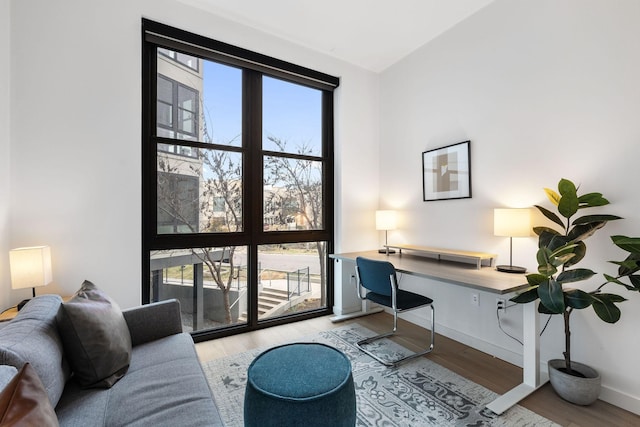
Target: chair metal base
{"type": "Point", "coordinates": [392, 363]}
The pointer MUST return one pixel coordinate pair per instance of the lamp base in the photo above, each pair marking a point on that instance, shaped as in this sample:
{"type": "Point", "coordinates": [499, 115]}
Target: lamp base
{"type": "Point", "coordinates": [511, 269]}
{"type": "Point", "coordinates": [386, 251]}
{"type": "Point", "coordinates": [22, 303]}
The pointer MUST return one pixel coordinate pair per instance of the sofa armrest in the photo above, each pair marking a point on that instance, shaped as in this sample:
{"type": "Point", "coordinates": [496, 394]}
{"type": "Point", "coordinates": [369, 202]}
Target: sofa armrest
{"type": "Point", "coordinates": [153, 321]}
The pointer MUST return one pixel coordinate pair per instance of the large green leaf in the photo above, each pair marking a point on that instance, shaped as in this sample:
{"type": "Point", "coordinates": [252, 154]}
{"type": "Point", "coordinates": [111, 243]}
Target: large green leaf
{"type": "Point", "coordinates": [578, 299]}
{"type": "Point", "coordinates": [628, 266]}
{"type": "Point", "coordinates": [568, 204]}
{"type": "Point", "coordinates": [583, 231]}
{"type": "Point", "coordinates": [556, 242]}
{"type": "Point", "coordinates": [562, 259]}
{"type": "Point", "coordinates": [544, 237]}
{"type": "Point", "coordinates": [544, 310]}
{"type": "Point", "coordinates": [579, 252]}
{"type": "Point", "coordinates": [611, 279]}
{"type": "Point", "coordinates": [552, 216]}
{"type": "Point", "coordinates": [545, 267]}
{"type": "Point", "coordinates": [566, 187]}
{"type": "Point", "coordinates": [551, 295]}
{"type": "Point", "coordinates": [605, 308]}
{"type": "Point", "coordinates": [611, 297]}
{"type": "Point", "coordinates": [564, 250]}
{"type": "Point", "coordinates": [629, 244]}
{"type": "Point", "coordinates": [590, 200]}
{"type": "Point", "coordinates": [534, 279]}
{"type": "Point", "coordinates": [635, 281]}
{"type": "Point", "coordinates": [587, 219]}
{"type": "Point", "coordinates": [576, 275]}
{"type": "Point", "coordinates": [541, 229]}
{"type": "Point", "coordinates": [529, 295]}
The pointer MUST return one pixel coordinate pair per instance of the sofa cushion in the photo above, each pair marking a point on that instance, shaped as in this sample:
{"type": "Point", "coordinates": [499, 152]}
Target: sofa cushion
{"type": "Point", "coordinates": [95, 337]}
{"type": "Point", "coordinates": [7, 372]}
{"type": "Point", "coordinates": [24, 401]}
{"type": "Point", "coordinates": [33, 337]}
{"type": "Point", "coordinates": [165, 385]}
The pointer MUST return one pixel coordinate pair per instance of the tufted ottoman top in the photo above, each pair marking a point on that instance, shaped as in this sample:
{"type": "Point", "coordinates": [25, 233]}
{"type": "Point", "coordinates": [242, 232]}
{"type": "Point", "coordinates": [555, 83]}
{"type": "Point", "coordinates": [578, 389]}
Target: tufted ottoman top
{"type": "Point", "coordinates": [300, 371]}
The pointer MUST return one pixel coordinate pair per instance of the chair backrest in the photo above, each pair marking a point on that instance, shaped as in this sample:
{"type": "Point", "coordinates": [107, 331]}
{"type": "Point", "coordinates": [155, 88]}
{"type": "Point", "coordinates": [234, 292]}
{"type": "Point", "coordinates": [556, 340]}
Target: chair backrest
{"type": "Point", "coordinates": [374, 275]}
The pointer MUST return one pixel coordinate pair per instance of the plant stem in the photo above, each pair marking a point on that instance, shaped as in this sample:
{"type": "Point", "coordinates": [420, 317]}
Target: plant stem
{"type": "Point", "coordinates": [567, 342]}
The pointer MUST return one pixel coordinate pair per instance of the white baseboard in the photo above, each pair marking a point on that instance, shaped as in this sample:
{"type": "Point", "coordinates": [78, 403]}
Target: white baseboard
{"type": "Point", "coordinates": [620, 399]}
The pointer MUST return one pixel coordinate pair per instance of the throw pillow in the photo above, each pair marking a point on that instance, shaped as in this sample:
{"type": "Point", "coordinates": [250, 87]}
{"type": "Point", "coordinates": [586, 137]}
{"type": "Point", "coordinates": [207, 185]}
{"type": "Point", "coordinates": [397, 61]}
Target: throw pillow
{"type": "Point", "coordinates": [24, 401]}
{"type": "Point", "coordinates": [95, 337]}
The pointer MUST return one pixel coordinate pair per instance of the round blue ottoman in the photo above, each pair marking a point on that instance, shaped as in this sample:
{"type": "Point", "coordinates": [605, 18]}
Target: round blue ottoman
{"type": "Point", "coordinates": [301, 384]}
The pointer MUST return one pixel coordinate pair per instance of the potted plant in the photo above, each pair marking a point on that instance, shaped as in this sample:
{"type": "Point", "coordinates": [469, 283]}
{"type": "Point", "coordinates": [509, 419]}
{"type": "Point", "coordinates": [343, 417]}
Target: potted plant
{"type": "Point", "coordinates": [558, 253]}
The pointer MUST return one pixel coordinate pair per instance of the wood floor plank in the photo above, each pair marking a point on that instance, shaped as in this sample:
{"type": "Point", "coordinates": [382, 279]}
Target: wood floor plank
{"type": "Point", "coordinates": [481, 368]}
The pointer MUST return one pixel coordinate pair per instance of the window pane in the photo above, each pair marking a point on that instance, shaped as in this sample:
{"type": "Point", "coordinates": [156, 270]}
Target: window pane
{"type": "Point", "coordinates": [188, 60]}
{"type": "Point", "coordinates": [292, 117]}
{"type": "Point", "coordinates": [292, 194]}
{"type": "Point", "coordinates": [178, 203]}
{"type": "Point", "coordinates": [186, 121]}
{"type": "Point", "coordinates": [165, 90]}
{"type": "Point", "coordinates": [178, 100]}
{"type": "Point", "coordinates": [202, 194]}
{"type": "Point", "coordinates": [292, 278]}
{"type": "Point", "coordinates": [187, 98]}
{"type": "Point", "coordinates": [210, 283]}
{"type": "Point", "coordinates": [222, 110]}
{"type": "Point", "coordinates": [164, 116]}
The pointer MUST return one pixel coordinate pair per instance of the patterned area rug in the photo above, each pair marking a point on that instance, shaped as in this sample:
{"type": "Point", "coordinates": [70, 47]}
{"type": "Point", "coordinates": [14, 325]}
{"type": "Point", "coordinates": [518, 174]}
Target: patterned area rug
{"type": "Point", "coordinates": [416, 393]}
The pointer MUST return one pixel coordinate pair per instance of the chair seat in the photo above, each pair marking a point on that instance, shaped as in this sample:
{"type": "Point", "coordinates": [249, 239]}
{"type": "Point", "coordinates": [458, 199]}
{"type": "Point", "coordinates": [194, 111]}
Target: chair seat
{"type": "Point", "coordinates": [405, 300]}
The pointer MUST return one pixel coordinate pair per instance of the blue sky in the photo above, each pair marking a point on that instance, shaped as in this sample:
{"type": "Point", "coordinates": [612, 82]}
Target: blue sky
{"type": "Point", "coordinates": [291, 112]}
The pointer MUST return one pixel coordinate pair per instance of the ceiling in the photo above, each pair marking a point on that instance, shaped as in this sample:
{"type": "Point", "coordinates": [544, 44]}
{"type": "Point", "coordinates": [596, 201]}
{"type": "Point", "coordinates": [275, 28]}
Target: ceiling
{"type": "Point", "coordinates": [372, 34]}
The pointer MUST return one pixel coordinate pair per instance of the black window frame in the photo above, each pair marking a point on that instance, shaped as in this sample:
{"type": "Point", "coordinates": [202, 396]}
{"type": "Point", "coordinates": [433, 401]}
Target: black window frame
{"type": "Point", "coordinates": [254, 66]}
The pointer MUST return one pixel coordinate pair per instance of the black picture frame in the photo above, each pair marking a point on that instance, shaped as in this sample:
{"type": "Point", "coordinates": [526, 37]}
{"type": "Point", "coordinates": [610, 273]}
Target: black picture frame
{"type": "Point", "coordinates": [446, 172]}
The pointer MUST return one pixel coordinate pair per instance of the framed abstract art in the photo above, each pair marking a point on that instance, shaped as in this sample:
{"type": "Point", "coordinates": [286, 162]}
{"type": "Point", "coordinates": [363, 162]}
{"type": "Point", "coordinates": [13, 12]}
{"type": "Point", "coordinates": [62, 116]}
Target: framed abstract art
{"type": "Point", "coordinates": [447, 172]}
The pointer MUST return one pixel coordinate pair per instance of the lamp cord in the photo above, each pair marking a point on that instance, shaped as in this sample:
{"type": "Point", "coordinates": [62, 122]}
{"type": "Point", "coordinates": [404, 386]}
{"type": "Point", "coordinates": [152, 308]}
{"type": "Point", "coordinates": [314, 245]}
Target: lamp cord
{"type": "Point", "coordinates": [511, 336]}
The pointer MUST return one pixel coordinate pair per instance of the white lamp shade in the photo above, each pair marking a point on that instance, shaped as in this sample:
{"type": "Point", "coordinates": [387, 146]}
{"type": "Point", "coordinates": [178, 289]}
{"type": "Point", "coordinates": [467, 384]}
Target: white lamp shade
{"type": "Point", "coordinates": [385, 220]}
{"type": "Point", "coordinates": [512, 222]}
{"type": "Point", "coordinates": [30, 267]}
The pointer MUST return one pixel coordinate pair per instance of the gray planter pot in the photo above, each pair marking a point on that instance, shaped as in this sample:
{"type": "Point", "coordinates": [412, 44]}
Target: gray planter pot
{"type": "Point", "coordinates": [581, 391]}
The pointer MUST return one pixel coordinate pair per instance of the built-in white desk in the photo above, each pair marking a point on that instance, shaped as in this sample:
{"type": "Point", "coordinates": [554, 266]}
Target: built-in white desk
{"type": "Point", "coordinates": [485, 279]}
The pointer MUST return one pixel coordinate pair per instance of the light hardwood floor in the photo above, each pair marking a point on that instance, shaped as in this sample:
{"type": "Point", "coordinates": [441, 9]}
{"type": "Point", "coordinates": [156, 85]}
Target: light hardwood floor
{"type": "Point", "coordinates": [483, 369]}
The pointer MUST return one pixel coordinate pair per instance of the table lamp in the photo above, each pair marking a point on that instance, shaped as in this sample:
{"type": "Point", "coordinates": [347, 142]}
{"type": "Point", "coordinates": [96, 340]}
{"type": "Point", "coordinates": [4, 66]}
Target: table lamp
{"type": "Point", "coordinates": [386, 220]}
{"type": "Point", "coordinates": [30, 268]}
{"type": "Point", "coordinates": [511, 223]}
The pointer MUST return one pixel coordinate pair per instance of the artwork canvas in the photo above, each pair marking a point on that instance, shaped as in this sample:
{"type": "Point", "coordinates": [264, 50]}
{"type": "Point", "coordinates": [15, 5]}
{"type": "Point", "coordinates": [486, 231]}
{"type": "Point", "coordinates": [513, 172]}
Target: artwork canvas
{"type": "Point", "coordinates": [447, 172]}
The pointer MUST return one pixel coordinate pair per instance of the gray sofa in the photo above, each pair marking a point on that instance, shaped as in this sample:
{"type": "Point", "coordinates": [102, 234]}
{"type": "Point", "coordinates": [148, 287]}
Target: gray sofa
{"type": "Point", "coordinates": [164, 385]}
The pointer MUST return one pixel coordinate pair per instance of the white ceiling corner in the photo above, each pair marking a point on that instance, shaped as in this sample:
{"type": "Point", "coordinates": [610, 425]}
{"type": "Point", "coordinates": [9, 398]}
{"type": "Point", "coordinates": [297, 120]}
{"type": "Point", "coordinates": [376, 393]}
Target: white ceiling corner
{"type": "Point", "coordinates": [372, 34]}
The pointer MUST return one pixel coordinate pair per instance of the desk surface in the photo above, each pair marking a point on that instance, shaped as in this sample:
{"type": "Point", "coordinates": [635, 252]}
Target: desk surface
{"type": "Point", "coordinates": [485, 278]}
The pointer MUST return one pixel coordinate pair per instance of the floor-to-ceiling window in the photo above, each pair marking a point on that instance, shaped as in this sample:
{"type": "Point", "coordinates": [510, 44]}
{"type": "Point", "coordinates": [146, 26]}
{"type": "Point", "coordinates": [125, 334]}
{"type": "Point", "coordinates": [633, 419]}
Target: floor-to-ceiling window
{"type": "Point", "coordinates": [237, 154]}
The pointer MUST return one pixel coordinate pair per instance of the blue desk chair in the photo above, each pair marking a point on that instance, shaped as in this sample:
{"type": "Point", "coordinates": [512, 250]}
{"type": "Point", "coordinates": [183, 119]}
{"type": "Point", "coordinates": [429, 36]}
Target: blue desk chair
{"type": "Point", "coordinates": [378, 278]}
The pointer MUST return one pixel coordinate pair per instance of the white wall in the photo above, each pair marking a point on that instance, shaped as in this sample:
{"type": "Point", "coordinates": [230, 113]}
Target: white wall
{"type": "Point", "coordinates": [4, 152]}
{"type": "Point", "coordinates": [544, 90]}
{"type": "Point", "coordinates": [76, 133]}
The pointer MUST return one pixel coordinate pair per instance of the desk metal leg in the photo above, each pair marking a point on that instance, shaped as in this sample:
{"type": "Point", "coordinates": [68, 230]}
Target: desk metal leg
{"type": "Point", "coordinates": [532, 378]}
